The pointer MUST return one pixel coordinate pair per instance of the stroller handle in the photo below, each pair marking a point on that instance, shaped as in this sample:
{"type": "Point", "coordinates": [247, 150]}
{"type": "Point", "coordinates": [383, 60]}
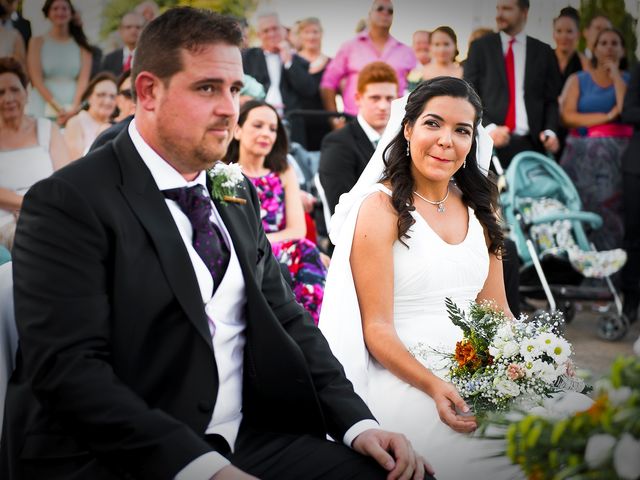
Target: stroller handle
{"type": "Point", "coordinates": [591, 218]}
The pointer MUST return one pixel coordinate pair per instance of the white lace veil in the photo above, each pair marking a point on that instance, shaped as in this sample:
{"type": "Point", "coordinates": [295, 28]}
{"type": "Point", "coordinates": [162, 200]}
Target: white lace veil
{"type": "Point", "coordinates": [340, 320]}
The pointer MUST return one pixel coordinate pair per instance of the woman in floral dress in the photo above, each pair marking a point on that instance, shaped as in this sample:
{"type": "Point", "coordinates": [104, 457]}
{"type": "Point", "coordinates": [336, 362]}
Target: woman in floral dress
{"type": "Point", "coordinates": [260, 147]}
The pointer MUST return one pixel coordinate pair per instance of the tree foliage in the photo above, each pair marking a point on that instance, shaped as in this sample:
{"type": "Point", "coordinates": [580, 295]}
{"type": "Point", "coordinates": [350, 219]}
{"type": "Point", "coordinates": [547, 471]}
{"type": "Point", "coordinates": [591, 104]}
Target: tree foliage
{"type": "Point", "coordinates": [621, 19]}
{"type": "Point", "coordinates": [115, 9]}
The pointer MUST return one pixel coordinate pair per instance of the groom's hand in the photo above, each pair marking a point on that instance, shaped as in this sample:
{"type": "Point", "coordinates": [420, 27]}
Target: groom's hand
{"type": "Point", "coordinates": [394, 452]}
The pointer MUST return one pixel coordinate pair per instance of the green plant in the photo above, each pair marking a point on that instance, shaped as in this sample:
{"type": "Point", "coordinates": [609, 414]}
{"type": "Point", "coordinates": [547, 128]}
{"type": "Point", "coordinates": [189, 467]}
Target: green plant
{"type": "Point", "coordinates": [115, 9]}
{"type": "Point", "coordinates": [621, 19]}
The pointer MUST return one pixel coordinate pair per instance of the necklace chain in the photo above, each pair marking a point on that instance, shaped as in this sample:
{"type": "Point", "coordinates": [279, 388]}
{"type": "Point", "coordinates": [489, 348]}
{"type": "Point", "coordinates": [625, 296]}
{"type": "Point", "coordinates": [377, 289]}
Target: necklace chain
{"type": "Point", "coordinates": [438, 203]}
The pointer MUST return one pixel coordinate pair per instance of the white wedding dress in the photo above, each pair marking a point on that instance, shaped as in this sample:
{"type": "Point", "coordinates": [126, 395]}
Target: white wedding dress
{"type": "Point", "coordinates": [424, 275]}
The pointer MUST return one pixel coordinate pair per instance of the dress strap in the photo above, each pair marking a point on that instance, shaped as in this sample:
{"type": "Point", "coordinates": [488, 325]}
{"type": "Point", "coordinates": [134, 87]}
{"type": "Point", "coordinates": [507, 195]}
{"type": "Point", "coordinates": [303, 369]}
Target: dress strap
{"type": "Point", "coordinates": [43, 131]}
{"type": "Point", "coordinates": [382, 188]}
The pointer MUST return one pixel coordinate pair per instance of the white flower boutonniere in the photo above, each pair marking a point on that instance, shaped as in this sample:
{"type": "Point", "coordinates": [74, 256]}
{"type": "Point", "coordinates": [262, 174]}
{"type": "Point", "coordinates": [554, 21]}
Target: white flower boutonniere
{"type": "Point", "coordinates": [225, 181]}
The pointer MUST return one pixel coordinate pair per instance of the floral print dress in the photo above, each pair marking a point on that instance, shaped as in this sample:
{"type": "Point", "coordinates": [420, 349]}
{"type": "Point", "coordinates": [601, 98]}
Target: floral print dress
{"type": "Point", "coordinates": [301, 256]}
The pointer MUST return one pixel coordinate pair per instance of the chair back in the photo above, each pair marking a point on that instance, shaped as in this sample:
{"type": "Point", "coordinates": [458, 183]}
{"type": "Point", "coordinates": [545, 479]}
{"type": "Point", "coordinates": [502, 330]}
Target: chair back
{"type": "Point", "coordinates": [8, 332]}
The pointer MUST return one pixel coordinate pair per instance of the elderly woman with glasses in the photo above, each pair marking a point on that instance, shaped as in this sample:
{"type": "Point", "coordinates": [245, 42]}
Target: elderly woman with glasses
{"type": "Point", "coordinates": [83, 128]}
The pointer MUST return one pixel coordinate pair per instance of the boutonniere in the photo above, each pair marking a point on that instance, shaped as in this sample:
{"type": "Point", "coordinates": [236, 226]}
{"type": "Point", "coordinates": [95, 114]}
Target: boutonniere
{"type": "Point", "coordinates": [226, 180]}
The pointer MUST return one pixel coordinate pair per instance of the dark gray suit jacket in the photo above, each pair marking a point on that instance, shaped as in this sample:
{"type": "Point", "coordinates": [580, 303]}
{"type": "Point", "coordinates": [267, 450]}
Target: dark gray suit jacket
{"type": "Point", "coordinates": [116, 375]}
{"type": "Point", "coordinates": [112, 62]}
{"type": "Point", "coordinates": [485, 70]}
{"type": "Point", "coordinates": [631, 114]}
{"type": "Point", "coordinates": [343, 156]}
{"type": "Point", "coordinates": [295, 84]}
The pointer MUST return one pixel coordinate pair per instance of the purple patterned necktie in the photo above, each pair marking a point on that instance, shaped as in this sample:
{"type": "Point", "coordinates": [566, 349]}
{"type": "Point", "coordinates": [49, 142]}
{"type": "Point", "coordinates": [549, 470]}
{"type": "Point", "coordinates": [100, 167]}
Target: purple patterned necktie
{"type": "Point", "coordinates": [207, 237]}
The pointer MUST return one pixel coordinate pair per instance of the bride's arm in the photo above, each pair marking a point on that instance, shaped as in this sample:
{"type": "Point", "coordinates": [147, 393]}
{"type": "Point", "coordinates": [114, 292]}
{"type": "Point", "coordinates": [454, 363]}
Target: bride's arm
{"type": "Point", "coordinates": [372, 266]}
{"type": "Point", "coordinates": [493, 288]}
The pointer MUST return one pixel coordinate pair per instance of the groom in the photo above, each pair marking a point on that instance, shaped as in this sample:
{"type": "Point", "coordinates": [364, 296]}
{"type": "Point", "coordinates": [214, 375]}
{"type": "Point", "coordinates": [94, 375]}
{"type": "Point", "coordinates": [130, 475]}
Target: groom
{"type": "Point", "coordinates": [157, 338]}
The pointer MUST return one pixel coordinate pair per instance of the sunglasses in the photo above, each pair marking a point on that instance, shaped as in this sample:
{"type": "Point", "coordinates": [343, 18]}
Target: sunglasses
{"type": "Point", "coordinates": [126, 93]}
{"type": "Point", "coordinates": [382, 8]}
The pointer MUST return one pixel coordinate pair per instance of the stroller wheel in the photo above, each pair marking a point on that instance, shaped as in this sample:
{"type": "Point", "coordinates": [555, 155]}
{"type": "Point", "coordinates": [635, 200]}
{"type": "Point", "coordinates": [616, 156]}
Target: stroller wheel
{"type": "Point", "coordinates": [568, 310]}
{"type": "Point", "coordinates": [612, 327]}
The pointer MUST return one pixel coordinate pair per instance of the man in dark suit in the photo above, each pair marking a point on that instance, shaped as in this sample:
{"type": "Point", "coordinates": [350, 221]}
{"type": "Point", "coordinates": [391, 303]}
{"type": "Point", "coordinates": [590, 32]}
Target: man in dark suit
{"type": "Point", "coordinates": [120, 59]}
{"type": "Point", "coordinates": [631, 199]}
{"type": "Point", "coordinates": [518, 80]}
{"type": "Point", "coordinates": [157, 338]}
{"type": "Point", "coordinates": [346, 152]}
{"type": "Point", "coordinates": [9, 13]}
{"type": "Point", "coordinates": [284, 74]}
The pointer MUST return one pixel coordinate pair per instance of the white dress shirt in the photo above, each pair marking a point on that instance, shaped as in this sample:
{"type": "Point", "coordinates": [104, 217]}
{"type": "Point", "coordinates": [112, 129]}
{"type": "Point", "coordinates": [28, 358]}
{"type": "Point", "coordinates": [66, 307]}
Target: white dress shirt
{"type": "Point", "coordinates": [519, 57]}
{"type": "Point", "coordinates": [225, 310]}
{"type": "Point", "coordinates": [274, 68]}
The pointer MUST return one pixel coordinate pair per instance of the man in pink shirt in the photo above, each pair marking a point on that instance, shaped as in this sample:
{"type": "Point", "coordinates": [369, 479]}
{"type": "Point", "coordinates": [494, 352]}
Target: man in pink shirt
{"type": "Point", "coordinates": [373, 44]}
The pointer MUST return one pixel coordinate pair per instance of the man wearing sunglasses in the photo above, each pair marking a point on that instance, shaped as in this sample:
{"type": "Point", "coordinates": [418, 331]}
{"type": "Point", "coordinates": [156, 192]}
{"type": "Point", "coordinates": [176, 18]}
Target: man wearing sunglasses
{"type": "Point", "coordinates": [373, 44]}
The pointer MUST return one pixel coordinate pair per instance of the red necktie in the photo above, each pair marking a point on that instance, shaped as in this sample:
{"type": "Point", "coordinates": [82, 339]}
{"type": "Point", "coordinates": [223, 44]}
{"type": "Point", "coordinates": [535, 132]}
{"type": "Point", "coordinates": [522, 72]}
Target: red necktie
{"type": "Point", "coordinates": [509, 63]}
{"type": "Point", "coordinates": [127, 64]}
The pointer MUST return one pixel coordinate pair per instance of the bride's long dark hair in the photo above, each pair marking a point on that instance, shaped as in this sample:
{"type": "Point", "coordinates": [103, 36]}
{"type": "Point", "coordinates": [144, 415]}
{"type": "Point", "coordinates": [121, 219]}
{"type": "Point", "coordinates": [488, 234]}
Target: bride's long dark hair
{"type": "Point", "coordinates": [478, 191]}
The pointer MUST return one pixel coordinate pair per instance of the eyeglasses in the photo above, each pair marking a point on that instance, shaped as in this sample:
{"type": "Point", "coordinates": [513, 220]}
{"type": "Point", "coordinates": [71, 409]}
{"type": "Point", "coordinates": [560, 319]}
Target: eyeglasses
{"type": "Point", "coordinates": [382, 8]}
{"type": "Point", "coordinates": [126, 93]}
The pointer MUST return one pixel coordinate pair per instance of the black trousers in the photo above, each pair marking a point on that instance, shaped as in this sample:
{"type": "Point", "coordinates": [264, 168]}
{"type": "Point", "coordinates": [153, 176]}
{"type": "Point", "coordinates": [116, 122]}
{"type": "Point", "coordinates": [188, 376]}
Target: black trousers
{"type": "Point", "coordinates": [631, 203]}
{"type": "Point", "coordinates": [517, 144]}
{"type": "Point", "coordinates": [269, 455]}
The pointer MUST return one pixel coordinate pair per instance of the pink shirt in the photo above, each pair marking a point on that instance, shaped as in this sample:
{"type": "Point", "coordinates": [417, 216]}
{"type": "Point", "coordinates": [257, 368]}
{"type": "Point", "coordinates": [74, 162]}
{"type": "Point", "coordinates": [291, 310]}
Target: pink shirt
{"type": "Point", "coordinates": [358, 52]}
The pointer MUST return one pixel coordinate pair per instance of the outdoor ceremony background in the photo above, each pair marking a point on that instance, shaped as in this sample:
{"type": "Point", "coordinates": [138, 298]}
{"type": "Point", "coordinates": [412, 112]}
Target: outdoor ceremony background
{"type": "Point", "coordinates": [339, 17]}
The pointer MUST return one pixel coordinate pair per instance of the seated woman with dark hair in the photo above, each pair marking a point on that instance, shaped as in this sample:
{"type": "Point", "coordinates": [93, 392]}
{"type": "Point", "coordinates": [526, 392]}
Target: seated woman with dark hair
{"type": "Point", "coordinates": [260, 147]}
{"type": "Point", "coordinates": [591, 104]}
{"type": "Point", "coordinates": [30, 149]}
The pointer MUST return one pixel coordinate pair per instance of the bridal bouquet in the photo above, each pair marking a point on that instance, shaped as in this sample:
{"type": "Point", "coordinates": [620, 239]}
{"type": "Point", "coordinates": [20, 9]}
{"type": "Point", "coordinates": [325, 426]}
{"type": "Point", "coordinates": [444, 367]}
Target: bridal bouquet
{"type": "Point", "coordinates": [501, 361]}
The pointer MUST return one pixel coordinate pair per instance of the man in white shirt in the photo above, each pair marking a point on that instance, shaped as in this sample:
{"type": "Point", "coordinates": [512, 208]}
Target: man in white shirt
{"type": "Point", "coordinates": [157, 337]}
{"type": "Point", "coordinates": [518, 80]}
{"type": "Point", "coordinates": [283, 74]}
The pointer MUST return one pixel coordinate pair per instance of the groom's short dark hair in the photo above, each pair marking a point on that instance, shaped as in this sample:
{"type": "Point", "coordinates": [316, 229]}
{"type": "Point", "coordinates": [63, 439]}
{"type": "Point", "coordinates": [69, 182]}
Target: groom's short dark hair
{"type": "Point", "coordinates": [159, 48]}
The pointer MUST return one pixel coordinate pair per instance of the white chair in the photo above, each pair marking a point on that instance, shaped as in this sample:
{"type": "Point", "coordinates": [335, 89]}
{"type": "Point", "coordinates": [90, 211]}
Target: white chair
{"type": "Point", "coordinates": [326, 211]}
{"type": "Point", "coordinates": [8, 332]}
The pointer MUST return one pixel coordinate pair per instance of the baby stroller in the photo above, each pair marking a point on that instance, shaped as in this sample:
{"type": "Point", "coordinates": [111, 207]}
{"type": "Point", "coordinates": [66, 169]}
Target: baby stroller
{"type": "Point", "coordinates": [543, 210]}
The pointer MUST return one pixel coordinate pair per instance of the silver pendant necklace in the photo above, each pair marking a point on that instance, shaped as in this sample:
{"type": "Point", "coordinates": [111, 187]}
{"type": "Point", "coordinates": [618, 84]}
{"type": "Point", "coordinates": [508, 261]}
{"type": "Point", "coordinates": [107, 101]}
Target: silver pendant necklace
{"type": "Point", "coordinates": [439, 203]}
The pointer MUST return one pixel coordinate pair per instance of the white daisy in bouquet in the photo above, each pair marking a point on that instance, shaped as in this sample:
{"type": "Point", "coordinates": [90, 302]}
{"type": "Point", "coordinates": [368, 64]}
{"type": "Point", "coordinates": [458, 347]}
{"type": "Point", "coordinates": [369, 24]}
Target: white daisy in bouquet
{"type": "Point", "coordinates": [501, 360]}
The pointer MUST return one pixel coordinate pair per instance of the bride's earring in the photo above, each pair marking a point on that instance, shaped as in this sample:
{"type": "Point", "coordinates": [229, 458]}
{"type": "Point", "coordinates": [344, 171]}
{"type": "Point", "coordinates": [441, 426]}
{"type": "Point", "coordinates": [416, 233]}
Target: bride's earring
{"type": "Point", "coordinates": [464, 164]}
{"type": "Point", "coordinates": [408, 152]}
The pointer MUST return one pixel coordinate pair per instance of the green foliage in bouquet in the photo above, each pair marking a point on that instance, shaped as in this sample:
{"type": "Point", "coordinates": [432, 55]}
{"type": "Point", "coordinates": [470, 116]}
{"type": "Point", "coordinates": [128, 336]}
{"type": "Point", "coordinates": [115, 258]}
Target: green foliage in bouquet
{"type": "Point", "coordinates": [602, 442]}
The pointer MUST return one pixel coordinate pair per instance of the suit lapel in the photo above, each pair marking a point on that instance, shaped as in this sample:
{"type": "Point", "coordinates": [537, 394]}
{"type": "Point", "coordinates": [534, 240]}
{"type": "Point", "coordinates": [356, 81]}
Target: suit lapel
{"type": "Point", "coordinates": [496, 47]}
{"type": "Point", "coordinates": [529, 62]}
{"type": "Point", "coordinates": [363, 144]}
{"type": "Point", "coordinates": [264, 71]}
{"type": "Point", "coordinates": [235, 220]}
{"type": "Point", "coordinates": [148, 203]}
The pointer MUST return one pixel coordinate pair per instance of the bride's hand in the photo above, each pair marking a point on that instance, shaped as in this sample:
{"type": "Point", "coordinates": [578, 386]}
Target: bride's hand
{"type": "Point", "coordinates": [447, 400]}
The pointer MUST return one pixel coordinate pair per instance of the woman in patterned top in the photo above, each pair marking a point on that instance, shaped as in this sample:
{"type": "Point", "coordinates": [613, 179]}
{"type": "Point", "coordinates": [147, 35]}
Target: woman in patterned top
{"type": "Point", "coordinates": [260, 147]}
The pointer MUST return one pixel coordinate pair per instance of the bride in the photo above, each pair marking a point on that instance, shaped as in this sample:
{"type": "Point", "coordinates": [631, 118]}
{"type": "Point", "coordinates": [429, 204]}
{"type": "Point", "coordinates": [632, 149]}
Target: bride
{"type": "Point", "coordinates": [418, 226]}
